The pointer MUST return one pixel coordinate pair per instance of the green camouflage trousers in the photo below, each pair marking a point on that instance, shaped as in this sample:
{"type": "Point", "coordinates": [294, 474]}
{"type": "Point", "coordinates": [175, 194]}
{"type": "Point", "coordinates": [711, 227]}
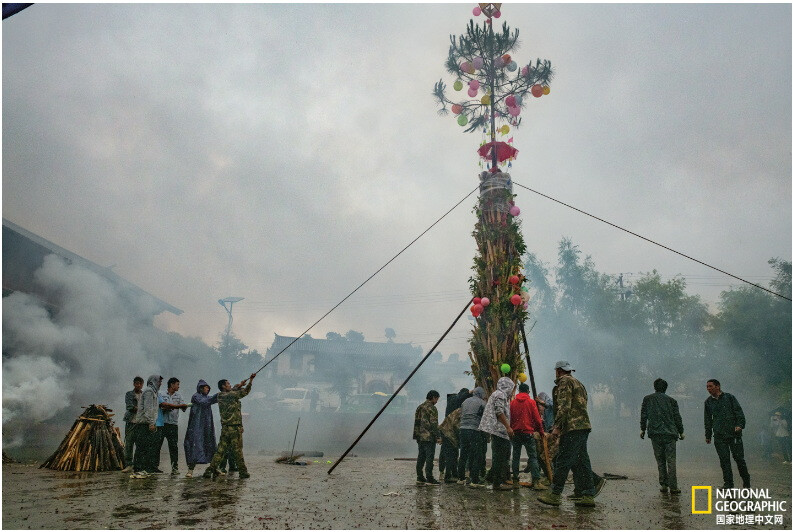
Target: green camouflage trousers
{"type": "Point", "coordinates": [230, 442]}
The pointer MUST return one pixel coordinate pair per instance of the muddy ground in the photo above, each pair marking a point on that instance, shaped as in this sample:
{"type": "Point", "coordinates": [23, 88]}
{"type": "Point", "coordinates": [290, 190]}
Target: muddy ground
{"type": "Point", "coordinates": [362, 493]}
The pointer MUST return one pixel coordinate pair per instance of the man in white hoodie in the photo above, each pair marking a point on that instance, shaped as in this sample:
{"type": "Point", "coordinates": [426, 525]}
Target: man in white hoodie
{"type": "Point", "coordinates": [495, 421]}
{"type": "Point", "coordinates": [146, 437]}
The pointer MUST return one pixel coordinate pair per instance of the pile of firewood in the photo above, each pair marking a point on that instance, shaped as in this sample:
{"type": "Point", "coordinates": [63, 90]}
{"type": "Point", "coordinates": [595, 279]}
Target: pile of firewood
{"type": "Point", "coordinates": [92, 444]}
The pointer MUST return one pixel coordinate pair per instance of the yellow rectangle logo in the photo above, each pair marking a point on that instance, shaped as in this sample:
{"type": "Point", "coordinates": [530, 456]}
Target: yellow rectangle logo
{"type": "Point", "coordinates": [694, 499]}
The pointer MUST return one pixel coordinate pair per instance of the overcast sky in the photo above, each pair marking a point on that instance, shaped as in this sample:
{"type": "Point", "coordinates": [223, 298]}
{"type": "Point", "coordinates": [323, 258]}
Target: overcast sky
{"type": "Point", "coordinates": [283, 153]}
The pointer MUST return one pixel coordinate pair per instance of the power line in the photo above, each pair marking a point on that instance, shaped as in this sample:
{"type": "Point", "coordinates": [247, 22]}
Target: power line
{"type": "Point", "coordinates": [370, 278]}
{"type": "Point", "coordinates": [653, 242]}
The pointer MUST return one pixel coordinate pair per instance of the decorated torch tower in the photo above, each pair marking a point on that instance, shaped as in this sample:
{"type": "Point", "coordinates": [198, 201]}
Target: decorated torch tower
{"type": "Point", "coordinates": [497, 89]}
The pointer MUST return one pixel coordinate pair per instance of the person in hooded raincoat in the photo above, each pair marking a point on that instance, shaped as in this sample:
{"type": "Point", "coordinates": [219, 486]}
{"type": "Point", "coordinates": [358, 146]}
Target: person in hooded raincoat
{"type": "Point", "coordinates": [495, 421]}
{"type": "Point", "coordinates": [199, 441]}
{"type": "Point", "coordinates": [146, 437]}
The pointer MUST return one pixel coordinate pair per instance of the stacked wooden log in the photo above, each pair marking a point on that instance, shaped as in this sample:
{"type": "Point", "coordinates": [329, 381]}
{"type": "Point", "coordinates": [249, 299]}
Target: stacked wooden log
{"type": "Point", "coordinates": [92, 444]}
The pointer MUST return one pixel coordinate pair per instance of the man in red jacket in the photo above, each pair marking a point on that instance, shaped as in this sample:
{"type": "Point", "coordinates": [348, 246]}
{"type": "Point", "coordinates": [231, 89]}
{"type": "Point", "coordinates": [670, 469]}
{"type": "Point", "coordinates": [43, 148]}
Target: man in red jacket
{"type": "Point", "coordinates": [525, 421]}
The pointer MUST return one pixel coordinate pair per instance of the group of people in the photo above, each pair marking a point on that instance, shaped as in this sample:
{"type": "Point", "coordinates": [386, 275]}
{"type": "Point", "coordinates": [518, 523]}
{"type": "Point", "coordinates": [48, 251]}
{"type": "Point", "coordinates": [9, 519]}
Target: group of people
{"type": "Point", "coordinates": [557, 428]}
{"type": "Point", "coordinates": [152, 416]}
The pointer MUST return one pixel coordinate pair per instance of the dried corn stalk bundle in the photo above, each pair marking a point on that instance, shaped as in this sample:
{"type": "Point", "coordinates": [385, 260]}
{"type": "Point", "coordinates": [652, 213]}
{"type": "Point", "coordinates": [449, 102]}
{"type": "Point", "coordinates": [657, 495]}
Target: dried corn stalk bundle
{"type": "Point", "coordinates": [92, 444]}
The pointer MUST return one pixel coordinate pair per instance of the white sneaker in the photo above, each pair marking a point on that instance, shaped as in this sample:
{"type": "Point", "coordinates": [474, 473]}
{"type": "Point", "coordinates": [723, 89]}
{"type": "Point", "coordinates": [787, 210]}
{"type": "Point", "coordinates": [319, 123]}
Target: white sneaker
{"type": "Point", "coordinates": [189, 474]}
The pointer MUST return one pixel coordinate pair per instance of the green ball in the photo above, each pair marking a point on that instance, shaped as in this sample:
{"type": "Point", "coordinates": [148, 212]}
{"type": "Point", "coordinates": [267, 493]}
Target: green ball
{"type": "Point", "coordinates": [462, 120]}
{"type": "Point", "coordinates": [505, 368]}
{"type": "Point", "coordinates": [458, 85]}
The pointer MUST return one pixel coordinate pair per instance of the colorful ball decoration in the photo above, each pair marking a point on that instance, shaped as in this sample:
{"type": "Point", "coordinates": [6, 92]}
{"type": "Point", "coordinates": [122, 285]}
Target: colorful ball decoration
{"type": "Point", "coordinates": [457, 108]}
{"type": "Point", "coordinates": [478, 62]}
{"type": "Point", "coordinates": [479, 308]}
{"type": "Point", "coordinates": [504, 129]}
{"type": "Point", "coordinates": [462, 120]}
{"type": "Point", "coordinates": [506, 58]}
{"type": "Point", "coordinates": [510, 100]}
{"type": "Point", "coordinates": [514, 210]}
{"type": "Point", "coordinates": [522, 377]}
{"type": "Point", "coordinates": [505, 368]}
{"type": "Point", "coordinates": [525, 71]}
{"type": "Point", "coordinates": [518, 100]}
{"type": "Point", "coordinates": [485, 301]}
{"type": "Point", "coordinates": [546, 90]}
{"type": "Point", "coordinates": [477, 11]}
{"type": "Point", "coordinates": [472, 92]}
{"type": "Point", "coordinates": [485, 99]}
{"type": "Point", "coordinates": [477, 300]}
{"type": "Point", "coordinates": [512, 66]}
{"type": "Point", "coordinates": [516, 300]}
{"type": "Point", "coordinates": [514, 279]}
{"type": "Point", "coordinates": [496, 14]}
{"type": "Point", "coordinates": [458, 85]}
{"type": "Point", "coordinates": [474, 84]}
{"type": "Point", "coordinates": [513, 111]}
{"type": "Point", "coordinates": [536, 91]}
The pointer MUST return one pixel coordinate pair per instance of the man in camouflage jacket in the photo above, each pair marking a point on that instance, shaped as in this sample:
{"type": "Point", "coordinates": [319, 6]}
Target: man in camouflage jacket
{"type": "Point", "coordinates": [572, 427]}
{"type": "Point", "coordinates": [427, 434]}
{"type": "Point", "coordinates": [231, 426]}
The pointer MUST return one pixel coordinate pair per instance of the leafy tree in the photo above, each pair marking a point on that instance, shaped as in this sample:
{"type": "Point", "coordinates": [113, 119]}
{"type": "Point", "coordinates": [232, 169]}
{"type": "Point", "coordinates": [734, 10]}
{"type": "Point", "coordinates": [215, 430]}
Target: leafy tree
{"type": "Point", "coordinates": [334, 336]}
{"type": "Point", "coordinates": [354, 336]}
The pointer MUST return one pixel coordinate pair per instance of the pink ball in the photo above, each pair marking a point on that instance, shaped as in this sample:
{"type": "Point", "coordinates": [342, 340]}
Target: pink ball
{"type": "Point", "coordinates": [472, 92]}
{"type": "Point", "coordinates": [497, 14]}
{"type": "Point", "coordinates": [514, 210]}
{"type": "Point", "coordinates": [515, 300]}
{"type": "Point", "coordinates": [485, 301]}
{"type": "Point", "coordinates": [474, 84]}
{"type": "Point", "coordinates": [477, 11]}
{"type": "Point", "coordinates": [514, 111]}
{"type": "Point", "coordinates": [510, 100]}
{"type": "Point", "coordinates": [478, 62]}
{"type": "Point", "coordinates": [524, 71]}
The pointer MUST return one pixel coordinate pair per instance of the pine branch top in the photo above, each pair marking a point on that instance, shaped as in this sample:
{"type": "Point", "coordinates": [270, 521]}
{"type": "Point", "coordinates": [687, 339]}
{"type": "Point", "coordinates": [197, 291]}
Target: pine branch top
{"type": "Point", "coordinates": [496, 85]}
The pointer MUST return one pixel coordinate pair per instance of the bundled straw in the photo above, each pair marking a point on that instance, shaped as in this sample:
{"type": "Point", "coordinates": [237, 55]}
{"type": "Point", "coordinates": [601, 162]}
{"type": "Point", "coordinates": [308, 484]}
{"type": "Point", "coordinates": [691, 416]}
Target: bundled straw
{"type": "Point", "coordinates": [92, 444]}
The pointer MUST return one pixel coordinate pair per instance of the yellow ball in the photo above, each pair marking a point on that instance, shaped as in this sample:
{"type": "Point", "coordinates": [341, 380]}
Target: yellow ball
{"type": "Point", "coordinates": [504, 129]}
{"type": "Point", "coordinates": [485, 99]}
{"type": "Point", "coordinates": [546, 90]}
{"type": "Point", "coordinates": [522, 377]}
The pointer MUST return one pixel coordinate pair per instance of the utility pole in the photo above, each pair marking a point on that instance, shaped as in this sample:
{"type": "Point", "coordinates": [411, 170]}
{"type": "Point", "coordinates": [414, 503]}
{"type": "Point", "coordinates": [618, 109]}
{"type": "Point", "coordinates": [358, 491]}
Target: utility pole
{"type": "Point", "coordinates": [230, 301]}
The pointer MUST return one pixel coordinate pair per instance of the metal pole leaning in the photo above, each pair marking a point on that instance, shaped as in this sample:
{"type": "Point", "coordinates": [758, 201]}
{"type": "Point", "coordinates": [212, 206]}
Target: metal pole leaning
{"type": "Point", "coordinates": [528, 360]}
{"type": "Point", "coordinates": [401, 386]}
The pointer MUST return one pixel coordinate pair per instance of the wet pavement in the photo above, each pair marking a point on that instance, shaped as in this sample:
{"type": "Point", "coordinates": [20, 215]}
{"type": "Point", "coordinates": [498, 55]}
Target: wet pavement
{"type": "Point", "coordinates": [362, 493]}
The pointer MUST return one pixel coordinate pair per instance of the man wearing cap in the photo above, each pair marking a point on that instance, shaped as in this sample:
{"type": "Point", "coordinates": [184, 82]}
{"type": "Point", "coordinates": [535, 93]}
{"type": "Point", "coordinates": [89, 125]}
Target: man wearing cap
{"type": "Point", "coordinates": [572, 427]}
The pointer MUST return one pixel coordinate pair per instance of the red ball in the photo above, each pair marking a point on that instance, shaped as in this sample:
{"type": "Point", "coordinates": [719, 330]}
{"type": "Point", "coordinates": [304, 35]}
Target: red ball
{"type": "Point", "coordinates": [510, 101]}
{"type": "Point", "coordinates": [516, 300]}
{"type": "Point", "coordinates": [479, 308]}
{"type": "Point", "coordinates": [473, 309]}
{"type": "Point", "coordinates": [536, 90]}
{"type": "Point", "coordinates": [514, 279]}
{"type": "Point", "coordinates": [477, 300]}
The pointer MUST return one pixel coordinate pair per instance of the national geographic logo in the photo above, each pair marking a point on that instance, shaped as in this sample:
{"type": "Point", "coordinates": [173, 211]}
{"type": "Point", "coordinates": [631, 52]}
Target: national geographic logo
{"type": "Point", "coordinates": [709, 507]}
{"type": "Point", "coordinates": [737, 506]}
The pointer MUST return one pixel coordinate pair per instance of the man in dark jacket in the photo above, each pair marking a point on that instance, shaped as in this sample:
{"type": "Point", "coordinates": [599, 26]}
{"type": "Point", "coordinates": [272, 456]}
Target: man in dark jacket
{"type": "Point", "coordinates": [724, 421]}
{"type": "Point", "coordinates": [524, 418]}
{"type": "Point", "coordinates": [661, 419]}
{"type": "Point", "coordinates": [131, 401]}
{"type": "Point", "coordinates": [427, 434]}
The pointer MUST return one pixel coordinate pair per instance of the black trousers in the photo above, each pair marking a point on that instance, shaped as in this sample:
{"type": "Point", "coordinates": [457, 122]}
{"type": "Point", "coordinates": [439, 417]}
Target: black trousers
{"type": "Point", "coordinates": [168, 432]}
{"type": "Point", "coordinates": [573, 455]}
{"type": "Point", "coordinates": [499, 469]}
{"type": "Point", "coordinates": [735, 446]}
{"type": "Point", "coordinates": [424, 463]}
{"type": "Point", "coordinates": [473, 447]}
{"type": "Point", "coordinates": [449, 457]}
{"type": "Point", "coordinates": [145, 441]}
